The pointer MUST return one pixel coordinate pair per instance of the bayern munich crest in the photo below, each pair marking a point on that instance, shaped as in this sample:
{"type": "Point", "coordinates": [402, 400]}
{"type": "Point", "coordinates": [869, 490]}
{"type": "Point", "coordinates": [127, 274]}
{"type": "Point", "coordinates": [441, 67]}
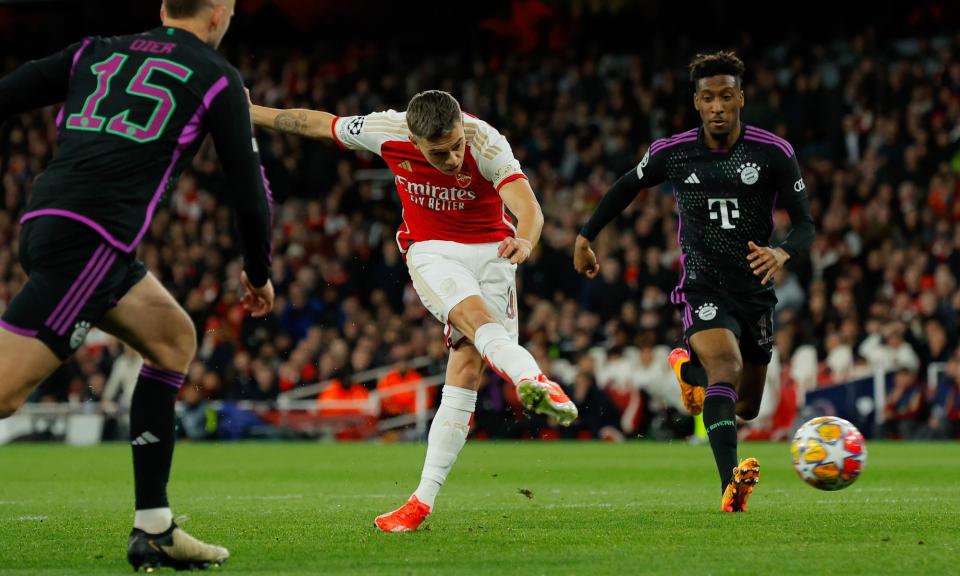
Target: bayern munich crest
{"type": "Point", "coordinates": [749, 173]}
{"type": "Point", "coordinates": [707, 312]}
{"type": "Point", "coordinates": [464, 179]}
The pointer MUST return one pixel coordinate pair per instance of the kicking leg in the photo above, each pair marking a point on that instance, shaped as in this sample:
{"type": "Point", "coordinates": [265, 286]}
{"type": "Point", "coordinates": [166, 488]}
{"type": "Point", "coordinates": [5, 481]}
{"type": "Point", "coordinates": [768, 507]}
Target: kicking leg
{"type": "Point", "coordinates": [511, 361]}
{"type": "Point", "coordinates": [448, 434]}
{"type": "Point", "coordinates": [149, 320]}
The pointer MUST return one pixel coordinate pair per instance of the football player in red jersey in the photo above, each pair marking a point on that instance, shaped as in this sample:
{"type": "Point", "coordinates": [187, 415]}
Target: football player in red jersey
{"type": "Point", "coordinates": [457, 177]}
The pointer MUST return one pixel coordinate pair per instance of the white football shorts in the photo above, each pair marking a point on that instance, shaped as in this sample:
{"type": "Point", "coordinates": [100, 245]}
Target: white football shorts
{"type": "Point", "coordinates": [446, 273]}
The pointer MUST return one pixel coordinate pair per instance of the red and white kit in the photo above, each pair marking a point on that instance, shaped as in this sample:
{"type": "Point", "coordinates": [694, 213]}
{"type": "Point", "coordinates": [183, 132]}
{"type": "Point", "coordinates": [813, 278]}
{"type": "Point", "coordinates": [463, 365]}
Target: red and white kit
{"type": "Point", "coordinates": [452, 225]}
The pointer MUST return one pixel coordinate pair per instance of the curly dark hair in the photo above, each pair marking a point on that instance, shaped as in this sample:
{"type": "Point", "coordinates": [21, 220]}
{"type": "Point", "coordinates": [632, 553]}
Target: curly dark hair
{"type": "Point", "coordinates": [716, 64]}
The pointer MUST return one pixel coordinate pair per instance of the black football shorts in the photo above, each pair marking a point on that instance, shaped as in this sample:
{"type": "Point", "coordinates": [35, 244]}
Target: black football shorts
{"type": "Point", "coordinates": [749, 317]}
{"type": "Point", "coordinates": [75, 278]}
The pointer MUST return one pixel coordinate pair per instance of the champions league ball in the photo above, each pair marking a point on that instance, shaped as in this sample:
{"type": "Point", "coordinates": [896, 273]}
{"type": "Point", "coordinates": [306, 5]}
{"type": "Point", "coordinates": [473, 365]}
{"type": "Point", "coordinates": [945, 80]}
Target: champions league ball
{"type": "Point", "coordinates": [828, 453]}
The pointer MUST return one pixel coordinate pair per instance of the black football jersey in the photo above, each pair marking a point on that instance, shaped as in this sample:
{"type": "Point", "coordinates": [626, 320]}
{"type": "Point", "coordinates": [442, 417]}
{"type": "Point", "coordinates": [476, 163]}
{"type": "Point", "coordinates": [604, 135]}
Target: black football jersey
{"type": "Point", "coordinates": [136, 109]}
{"type": "Point", "coordinates": [725, 199]}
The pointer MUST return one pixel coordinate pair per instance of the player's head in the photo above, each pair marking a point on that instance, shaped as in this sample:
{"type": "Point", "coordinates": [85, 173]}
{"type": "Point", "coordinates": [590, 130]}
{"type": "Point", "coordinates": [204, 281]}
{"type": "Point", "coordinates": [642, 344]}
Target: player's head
{"type": "Point", "coordinates": [436, 129]}
{"type": "Point", "coordinates": [210, 17]}
{"type": "Point", "coordinates": [717, 95]}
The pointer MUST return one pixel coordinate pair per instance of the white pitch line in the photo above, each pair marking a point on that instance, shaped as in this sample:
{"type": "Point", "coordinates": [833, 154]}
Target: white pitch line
{"type": "Point", "coordinates": [268, 497]}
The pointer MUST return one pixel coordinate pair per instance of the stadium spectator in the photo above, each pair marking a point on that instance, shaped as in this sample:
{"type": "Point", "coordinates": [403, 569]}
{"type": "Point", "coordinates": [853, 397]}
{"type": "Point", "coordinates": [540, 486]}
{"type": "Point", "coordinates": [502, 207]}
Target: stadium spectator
{"type": "Point", "coordinates": [904, 410]}
{"type": "Point", "coordinates": [876, 126]}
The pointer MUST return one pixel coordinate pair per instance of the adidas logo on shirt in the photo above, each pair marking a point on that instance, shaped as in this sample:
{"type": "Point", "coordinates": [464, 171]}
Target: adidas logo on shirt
{"type": "Point", "coordinates": [692, 179]}
{"type": "Point", "coordinates": [145, 438]}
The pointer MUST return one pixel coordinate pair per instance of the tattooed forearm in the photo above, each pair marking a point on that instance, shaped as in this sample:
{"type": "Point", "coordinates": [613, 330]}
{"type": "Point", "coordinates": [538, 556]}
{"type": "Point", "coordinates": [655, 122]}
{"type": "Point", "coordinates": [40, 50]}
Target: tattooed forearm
{"type": "Point", "coordinates": [291, 122]}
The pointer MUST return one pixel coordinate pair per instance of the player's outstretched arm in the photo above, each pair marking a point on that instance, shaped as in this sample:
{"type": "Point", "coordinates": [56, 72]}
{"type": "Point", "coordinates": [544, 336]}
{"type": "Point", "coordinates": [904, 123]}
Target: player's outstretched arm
{"type": "Point", "coordinates": [522, 203]}
{"type": "Point", "coordinates": [651, 171]}
{"type": "Point", "coordinates": [37, 83]}
{"type": "Point", "coordinates": [615, 201]}
{"type": "Point", "coordinates": [301, 122]}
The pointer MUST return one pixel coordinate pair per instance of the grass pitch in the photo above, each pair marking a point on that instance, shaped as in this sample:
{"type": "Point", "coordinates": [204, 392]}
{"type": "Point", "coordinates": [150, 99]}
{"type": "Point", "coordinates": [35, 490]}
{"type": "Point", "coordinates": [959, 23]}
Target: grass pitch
{"type": "Point", "coordinates": [508, 508]}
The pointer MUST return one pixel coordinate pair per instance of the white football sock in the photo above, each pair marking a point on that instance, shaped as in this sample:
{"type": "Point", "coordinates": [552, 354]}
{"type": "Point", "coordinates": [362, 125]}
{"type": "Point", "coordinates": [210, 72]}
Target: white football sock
{"type": "Point", "coordinates": [510, 360]}
{"type": "Point", "coordinates": [153, 520]}
{"type": "Point", "coordinates": [448, 434]}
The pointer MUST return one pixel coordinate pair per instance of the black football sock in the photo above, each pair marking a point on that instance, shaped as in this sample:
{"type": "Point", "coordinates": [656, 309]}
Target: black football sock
{"type": "Point", "coordinates": [152, 423]}
{"type": "Point", "coordinates": [694, 375]}
{"type": "Point", "coordinates": [719, 417]}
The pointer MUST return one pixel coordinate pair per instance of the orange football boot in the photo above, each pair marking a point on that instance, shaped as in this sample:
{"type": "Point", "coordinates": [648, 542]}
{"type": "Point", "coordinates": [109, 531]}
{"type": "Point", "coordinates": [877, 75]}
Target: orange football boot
{"type": "Point", "coordinates": [545, 397]}
{"type": "Point", "coordinates": [692, 396]}
{"type": "Point", "coordinates": [745, 476]}
{"type": "Point", "coordinates": [406, 518]}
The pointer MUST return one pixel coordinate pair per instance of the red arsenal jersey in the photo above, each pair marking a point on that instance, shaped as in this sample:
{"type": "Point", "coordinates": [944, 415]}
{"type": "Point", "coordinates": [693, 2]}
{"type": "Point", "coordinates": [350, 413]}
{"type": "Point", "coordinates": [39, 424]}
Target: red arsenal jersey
{"type": "Point", "coordinates": [464, 208]}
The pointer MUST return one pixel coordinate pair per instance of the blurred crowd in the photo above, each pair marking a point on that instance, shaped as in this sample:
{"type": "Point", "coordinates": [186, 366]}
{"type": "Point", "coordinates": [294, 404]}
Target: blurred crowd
{"type": "Point", "coordinates": [876, 126]}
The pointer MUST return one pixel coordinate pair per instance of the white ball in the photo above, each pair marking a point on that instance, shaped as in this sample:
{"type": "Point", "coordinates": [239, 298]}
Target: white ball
{"type": "Point", "coordinates": [828, 453]}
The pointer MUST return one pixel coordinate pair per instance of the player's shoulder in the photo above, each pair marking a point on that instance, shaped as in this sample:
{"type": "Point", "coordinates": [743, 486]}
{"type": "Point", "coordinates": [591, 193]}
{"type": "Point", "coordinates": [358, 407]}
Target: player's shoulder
{"type": "Point", "coordinates": [484, 139]}
{"type": "Point", "coordinates": [387, 125]}
{"type": "Point", "coordinates": [374, 132]}
{"type": "Point", "coordinates": [664, 145]}
{"type": "Point", "coordinates": [766, 139]}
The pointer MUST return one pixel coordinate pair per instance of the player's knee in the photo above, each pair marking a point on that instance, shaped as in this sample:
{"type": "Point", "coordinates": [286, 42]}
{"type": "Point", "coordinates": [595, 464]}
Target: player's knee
{"type": "Point", "coordinates": [471, 314]}
{"type": "Point", "coordinates": [480, 318]}
{"type": "Point", "coordinates": [724, 367]}
{"type": "Point", "coordinates": [184, 349]}
{"type": "Point", "coordinates": [177, 350]}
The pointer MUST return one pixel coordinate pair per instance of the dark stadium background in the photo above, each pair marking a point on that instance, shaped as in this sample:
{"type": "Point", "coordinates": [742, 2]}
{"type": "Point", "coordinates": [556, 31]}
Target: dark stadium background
{"type": "Point", "coordinates": [352, 46]}
{"type": "Point", "coordinates": [667, 27]}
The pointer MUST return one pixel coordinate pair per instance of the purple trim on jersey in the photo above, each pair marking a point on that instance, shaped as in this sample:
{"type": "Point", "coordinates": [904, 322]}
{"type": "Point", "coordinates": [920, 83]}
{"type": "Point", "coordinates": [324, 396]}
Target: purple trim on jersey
{"type": "Point", "coordinates": [678, 296]}
{"type": "Point", "coordinates": [168, 377]}
{"type": "Point", "coordinates": [724, 391]}
{"type": "Point", "coordinates": [56, 316]}
{"type": "Point", "coordinates": [658, 144]}
{"type": "Point", "coordinates": [682, 296]}
{"type": "Point", "coordinates": [269, 194]}
{"type": "Point", "coordinates": [215, 91]}
{"type": "Point", "coordinates": [76, 55]}
{"type": "Point", "coordinates": [17, 330]}
{"type": "Point", "coordinates": [152, 207]}
{"type": "Point", "coordinates": [769, 139]}
{"type": "Point", "coordinates": [667, 142]}
{"type": "Point", "coordinates": [73, 68]}
{"type": "Point", "coordinates": [783, 148]}
{"type": "Point", "coordinates": [188, 135]}
{"type": "Point", "coordinates": [192, 130]}
{"type": "Point", "coordinates": [81, 219]}
{"type": "Point", "coordinates": [267, 191]}
{"type": "Point", "coordinates": [87, 291]}
{"type": "Point", "coordinates": [672, 143]}
{"type": "Point", "coordinates": [767, 134]}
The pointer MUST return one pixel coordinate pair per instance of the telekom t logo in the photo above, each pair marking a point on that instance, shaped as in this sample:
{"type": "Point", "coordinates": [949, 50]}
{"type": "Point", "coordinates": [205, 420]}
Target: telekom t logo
{"type": "Point", "coordinates": [729, 209]}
